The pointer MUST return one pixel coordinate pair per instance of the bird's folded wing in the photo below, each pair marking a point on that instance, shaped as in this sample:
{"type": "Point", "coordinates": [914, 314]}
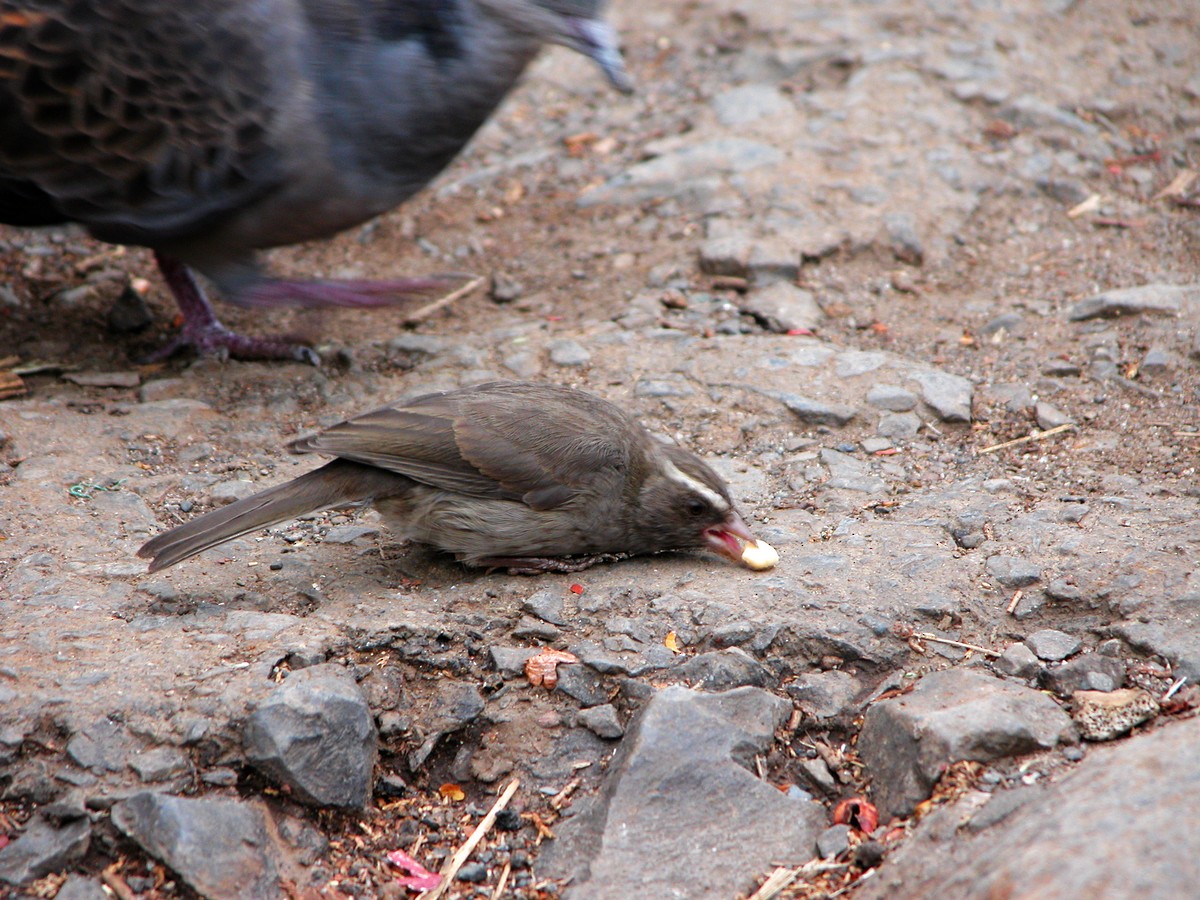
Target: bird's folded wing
{"type": "Point", "coordinates": [535, 444]}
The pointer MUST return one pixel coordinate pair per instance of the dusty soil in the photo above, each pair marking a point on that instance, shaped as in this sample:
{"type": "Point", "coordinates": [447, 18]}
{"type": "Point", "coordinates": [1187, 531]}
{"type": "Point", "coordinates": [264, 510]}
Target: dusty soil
{"type": "Point", "coordinates": [882, 101]}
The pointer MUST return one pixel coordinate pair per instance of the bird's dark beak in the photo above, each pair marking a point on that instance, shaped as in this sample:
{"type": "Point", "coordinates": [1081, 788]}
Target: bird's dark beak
{"type": "Point", "coordinates": [728, 538]}
{"type": "Point", "coordinates": [597, 40]}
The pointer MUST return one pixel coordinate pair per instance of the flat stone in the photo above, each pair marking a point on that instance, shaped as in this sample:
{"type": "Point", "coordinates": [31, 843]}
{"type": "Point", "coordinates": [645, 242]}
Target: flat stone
{"type": "Point", "coordinates": [315, 734]}
{"type": "Point", "coordinates": [582, 684]}
{"type": "Point", "coordinates": [1005, 323]}
{"type": "Point", "coordinates": [510, 661]}
{"type": "Point", "coordinates": [720, 670]}
{"type": "Point", "coordinates": [1129, 793]}
{"type": "Point", "coordinates": [1013, 572]}
{"type": "Point", "coordinates": [226, 492]}
{"type": "Point", "coordinates": [104, 379]}
{"type": "Point", "coordinates": [898, 426]}
{"type": "Point", "coordinates": [654, 829]}
{"type": "Point", "coordinates": [1090, 672]}
{"type": "Point", "coordinates": [43, 848]}
{"type": "Point", "coordinates": [826, 695]}
{"type": "Point", "coordinates": [952, 715]}
{"type": "Point", "coordinates": [833, 841]}
{"type": "Point", "coordinates": [348, 534]}
{"type": "Point", "coordinates": [891, 397]}
{"type": "Point", "coordinates": [219, 848]}
{"type": "Point", "coordinates": [663, 387]}
{"type": "Point", "coordinates": [783, 307]}
{"type": "Point", "coordinates": [76, 887]}
{"type": "Point", "coordinates": [815, 412]}
{"type": "Point", "coordinates": [602, 721]}
{"type": "Point", "coordinates": [1148, 299]}
{"type": "Point", "coordinates": [816, 772]}
{"type": "Point", "coordinates": [1050, 416]}
{"type": "Point", "coordinates": [547, 605]}
{"type": "Point", "coordinates": [1061, 589]}
{"type": "Point", "coordinates": [1018, 661]}
{"type": "Point", "coordinates": [1156, 361]}
{"type": "Point", "coordinates": [567, 352]}
{"type": "Point", "coordinates": [160, 763]}
{"type": "Point", "coordinates": [103, 746]}
{"type": "Point", "coordinates": [773, 259]}
{"type": "Point", "coordinates": [1052, 645]}
{"type": "Point", "coordinates": [726, 255]}
{"type": "Point", "coordinates": [947, 395]}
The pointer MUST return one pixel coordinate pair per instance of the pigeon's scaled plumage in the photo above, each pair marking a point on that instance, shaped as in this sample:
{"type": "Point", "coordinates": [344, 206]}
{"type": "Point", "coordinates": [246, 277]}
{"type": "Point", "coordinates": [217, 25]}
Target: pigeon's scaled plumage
{"type": "Point", "coordinates": [515, 475]}
{"type": "Point", "coordinates": [210, 131]}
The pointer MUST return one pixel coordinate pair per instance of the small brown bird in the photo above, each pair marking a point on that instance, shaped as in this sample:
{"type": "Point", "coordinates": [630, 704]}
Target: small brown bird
{"type": "Point", "coordinates": [510, 475]}
{"type": "Point", "coordinates": [209, 131]}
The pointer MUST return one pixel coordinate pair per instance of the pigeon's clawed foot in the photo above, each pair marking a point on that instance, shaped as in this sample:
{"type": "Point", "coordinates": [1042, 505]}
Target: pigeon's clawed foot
{"type": "Point", "coordinates": [203, 332]}
{"type": "Point", "coordinates": [540, 565]}
{"type": "Point", "coordinates": [214, 339]}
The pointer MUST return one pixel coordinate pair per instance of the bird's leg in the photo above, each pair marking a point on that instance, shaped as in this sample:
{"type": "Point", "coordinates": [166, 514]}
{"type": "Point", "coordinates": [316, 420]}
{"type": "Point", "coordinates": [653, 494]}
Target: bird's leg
{"type": "Point", "coordinates": [203, 331]}
{"type": "Point", "coordinates": [538, 565]}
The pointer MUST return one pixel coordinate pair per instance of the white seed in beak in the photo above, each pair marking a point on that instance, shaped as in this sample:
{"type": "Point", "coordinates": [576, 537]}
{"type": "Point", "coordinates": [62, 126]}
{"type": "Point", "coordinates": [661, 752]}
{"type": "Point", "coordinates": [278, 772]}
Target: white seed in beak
{"type": "Point", "coordinates": [759, 555]}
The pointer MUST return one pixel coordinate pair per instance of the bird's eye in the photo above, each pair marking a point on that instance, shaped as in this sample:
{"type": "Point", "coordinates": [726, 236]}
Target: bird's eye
{"type": "Point", "coordinates": [694, 506]}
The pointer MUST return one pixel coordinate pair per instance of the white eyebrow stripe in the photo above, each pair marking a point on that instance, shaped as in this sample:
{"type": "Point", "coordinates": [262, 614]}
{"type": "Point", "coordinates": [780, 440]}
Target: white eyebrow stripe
{"type": "Point", "coordinates": [699, 487]}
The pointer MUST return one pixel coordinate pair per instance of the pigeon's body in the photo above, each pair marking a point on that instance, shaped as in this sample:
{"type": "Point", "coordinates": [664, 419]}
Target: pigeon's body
{"type": "Point", "coordinates": [209, 131]}
{"type": "Point", "coordinates": [503, 474]}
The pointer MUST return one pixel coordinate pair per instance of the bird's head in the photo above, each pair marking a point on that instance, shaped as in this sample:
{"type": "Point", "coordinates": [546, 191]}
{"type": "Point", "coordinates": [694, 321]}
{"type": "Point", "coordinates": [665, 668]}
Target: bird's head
{"type": "Point", "coordinates": [684, 505]}
{"type": "Point", "coordinates": [576, 24]}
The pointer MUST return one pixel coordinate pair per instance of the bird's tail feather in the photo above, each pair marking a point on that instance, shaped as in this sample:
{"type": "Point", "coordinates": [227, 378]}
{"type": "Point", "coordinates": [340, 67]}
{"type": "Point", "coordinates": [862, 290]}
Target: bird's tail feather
{"type": "Point", "coordinates": [335, 483]}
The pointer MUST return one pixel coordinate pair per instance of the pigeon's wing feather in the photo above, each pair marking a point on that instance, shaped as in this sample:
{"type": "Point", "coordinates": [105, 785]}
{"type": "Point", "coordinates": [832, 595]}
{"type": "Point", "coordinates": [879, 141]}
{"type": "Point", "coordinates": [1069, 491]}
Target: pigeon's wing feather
{"type": "Point", "coordinates": [144, 120]}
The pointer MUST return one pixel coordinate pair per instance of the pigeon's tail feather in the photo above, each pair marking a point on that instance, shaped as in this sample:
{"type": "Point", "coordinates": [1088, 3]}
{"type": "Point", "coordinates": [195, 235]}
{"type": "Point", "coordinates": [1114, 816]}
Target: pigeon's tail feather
{"type": "Point", "coordinates": [336, 483]}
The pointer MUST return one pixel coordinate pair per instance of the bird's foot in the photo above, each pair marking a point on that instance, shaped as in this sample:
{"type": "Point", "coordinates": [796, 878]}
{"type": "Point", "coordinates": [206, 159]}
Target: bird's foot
{"type": "Point", "coordinates": [211, 338]}
{"type": "Point", "coordinates": [538, 565]}
{"type": "Point", "coordinates": [356, 294]}
{"type": "Point", "coordinates": [203, 331]}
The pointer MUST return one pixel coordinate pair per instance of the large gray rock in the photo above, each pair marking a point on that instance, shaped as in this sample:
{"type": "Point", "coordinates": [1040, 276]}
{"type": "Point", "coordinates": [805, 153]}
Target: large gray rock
{"type": "Point", "coordinates": [1110, 829]}
{"type": "Point", "coordinates": [220, 848]}
{"type": "Point", "coordinates": [680, 813]}
{"type": "Point", "coordinates": [950, 716]}
{"type": "Point", "coordinates": [315, 734]}
{"type": "Point", "coordinates": [43, 848]}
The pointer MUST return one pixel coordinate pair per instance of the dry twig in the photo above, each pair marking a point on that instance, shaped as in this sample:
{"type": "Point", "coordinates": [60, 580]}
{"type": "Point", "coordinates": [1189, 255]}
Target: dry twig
{"type": "Point", "coordinates": [925, 636]}
{"type": "Point", "coordinates": [503, 882]}
{"type": "Point", "coordinates": [464, 852]}
{"type": "Point", "coordinates": [1012, 604]}
{"type": "Point", "coordinates": [116, 883]}
{"type": "Point", "coordinates": [1036, 436]}
{"type": "Point", "coordinates": [420, 315]}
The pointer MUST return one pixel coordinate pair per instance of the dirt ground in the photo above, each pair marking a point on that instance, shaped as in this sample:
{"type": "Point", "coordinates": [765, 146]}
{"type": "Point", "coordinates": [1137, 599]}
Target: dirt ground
{"type": "Point", "coordinates": [908, 109]}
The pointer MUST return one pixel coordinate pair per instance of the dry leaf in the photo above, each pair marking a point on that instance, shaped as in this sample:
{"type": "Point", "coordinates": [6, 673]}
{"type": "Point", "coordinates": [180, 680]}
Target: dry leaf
{"type": "Point", "coordinates": [542, 670]}
{"type": "Point", "coordinates": [857, 813]}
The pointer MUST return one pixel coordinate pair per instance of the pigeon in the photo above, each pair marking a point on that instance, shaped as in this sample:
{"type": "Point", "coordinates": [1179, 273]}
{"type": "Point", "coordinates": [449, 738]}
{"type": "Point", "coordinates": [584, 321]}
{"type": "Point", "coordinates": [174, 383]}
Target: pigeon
{"type": "Point", "coordinates": [209, 132]}
{"type": "Point", "coordinates": [522, 476]}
